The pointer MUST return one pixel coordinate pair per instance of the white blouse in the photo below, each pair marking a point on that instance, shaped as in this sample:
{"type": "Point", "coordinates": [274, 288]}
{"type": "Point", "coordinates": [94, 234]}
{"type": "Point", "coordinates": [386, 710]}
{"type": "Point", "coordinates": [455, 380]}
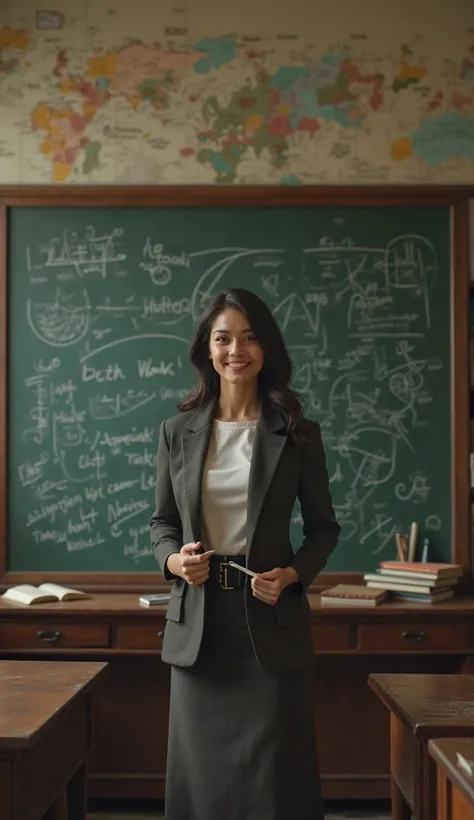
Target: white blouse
{"type": "Point", "coordinates": [225, 486]}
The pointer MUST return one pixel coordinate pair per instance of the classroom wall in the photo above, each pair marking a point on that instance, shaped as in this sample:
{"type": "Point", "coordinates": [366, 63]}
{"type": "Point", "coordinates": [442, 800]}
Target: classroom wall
{"type": "Point", "coordinates": [254, 91]}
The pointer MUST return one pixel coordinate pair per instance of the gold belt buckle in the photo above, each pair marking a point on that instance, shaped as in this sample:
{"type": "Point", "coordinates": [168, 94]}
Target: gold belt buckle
{"type": "Point", "coordinates": [223, 576]}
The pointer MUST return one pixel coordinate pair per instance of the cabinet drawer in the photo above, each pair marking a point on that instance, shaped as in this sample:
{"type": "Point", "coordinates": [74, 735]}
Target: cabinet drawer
{"type": "Point", "coordinates": [140, 636]}
{"type": "Point", "coordinates": [330, 637]}
{"type": "Point", "coordinates": [53, 635]}
{"type": "Point", "coordinates": [414, 637]}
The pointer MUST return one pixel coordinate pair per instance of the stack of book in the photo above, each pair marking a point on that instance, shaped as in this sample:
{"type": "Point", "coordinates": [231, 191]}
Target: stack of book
{"type": "Point", "coordinates": [424, 583]}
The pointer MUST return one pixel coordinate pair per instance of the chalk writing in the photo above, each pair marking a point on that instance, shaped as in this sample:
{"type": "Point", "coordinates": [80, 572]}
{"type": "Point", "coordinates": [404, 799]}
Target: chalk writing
{"type": "Point", "coordinates": [104, 363]}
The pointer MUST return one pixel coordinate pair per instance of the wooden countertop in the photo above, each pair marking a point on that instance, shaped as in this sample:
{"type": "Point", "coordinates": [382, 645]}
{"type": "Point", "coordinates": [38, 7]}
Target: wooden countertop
{"type": "Point", "coordinates": [430, 705]}
{"type": "Point", "coordinates": [33, 695]}
{"type": "Point", "coordinates": [114, 604]}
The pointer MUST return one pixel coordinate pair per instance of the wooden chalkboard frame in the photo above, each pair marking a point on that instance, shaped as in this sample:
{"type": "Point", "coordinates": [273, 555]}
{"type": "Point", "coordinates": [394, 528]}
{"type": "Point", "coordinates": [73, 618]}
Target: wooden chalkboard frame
{"type": "Point", "coordinates": [456, 198]}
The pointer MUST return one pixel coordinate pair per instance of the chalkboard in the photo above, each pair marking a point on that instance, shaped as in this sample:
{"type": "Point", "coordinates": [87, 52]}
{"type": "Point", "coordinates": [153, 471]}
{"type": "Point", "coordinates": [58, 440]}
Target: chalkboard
{"type": "Point", "coordinates": [101, 306]}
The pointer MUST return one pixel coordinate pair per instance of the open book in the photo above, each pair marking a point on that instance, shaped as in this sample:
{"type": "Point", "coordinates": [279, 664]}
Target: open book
{"type": "Point", "coordinates": [28, 594]}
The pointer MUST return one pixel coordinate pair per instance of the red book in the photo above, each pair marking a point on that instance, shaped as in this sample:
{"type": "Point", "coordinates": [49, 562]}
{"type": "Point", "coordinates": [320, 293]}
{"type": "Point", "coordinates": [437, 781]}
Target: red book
{"type": "Point", "coordinates": [428, 569]}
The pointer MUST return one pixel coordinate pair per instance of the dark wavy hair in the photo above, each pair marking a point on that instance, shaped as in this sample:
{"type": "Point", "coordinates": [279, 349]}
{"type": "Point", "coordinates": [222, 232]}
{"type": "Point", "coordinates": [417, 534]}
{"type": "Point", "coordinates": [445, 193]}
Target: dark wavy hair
{"type": "Point", "coordinates": [274, 378]}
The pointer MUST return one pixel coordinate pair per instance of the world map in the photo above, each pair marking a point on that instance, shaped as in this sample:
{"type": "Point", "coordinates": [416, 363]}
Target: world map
{"type": "Point", "coordinates": [223, 110]}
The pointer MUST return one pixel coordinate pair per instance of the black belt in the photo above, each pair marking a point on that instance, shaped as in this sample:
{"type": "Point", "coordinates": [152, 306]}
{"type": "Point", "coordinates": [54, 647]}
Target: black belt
{"type": "Point", "coordinates": [224, 575]}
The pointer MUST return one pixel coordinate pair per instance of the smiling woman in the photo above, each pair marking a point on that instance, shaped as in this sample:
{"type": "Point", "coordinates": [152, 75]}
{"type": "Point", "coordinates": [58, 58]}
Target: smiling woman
{"type": "Point", "coordinates": [238, 329]}
{"type": "Point", "coordinates": [235, 352]}
{"type": "Point", "coordinates": [229, 470]}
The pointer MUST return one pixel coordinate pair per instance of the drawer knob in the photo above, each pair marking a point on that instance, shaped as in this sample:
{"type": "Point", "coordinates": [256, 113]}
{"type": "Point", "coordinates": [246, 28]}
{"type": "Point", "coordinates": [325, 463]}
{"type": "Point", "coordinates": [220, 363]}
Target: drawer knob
{"type": "Point", "coordinates": [160, 634]}
{"type": "Point", "coordinates": [48, 635]}
{"type": "Point", "coordinates": [414, 636]}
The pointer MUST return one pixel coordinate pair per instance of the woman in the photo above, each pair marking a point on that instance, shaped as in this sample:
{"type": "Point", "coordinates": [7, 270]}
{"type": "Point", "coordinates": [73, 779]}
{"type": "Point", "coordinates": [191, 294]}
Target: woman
{"type": "Point", "coordinates": [230, 467]}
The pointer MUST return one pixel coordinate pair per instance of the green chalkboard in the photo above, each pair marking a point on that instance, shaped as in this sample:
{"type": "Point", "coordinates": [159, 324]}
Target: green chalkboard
{"type": "Point", "coordinates": [101, 307]}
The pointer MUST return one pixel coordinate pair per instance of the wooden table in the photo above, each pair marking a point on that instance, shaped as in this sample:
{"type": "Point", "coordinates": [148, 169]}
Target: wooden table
{"type": "Point", "coordinates": [454, 787]}
{"type": "Point", "coordinates": [128, 761]}
{"type": "Point", "coordinates": [421, 707]}
{"type": "Point", "coordinates": [45, 735]}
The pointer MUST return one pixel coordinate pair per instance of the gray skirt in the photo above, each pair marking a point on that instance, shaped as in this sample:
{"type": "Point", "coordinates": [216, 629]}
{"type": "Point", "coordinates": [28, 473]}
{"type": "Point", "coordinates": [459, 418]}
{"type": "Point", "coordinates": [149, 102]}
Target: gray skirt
{"type": "Point", "coordinates": [241, 740]}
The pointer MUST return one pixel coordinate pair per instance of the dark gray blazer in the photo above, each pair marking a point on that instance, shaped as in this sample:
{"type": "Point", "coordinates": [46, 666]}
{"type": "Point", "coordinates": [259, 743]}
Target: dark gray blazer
{"type": "Point", "coordinates": [281, 470]}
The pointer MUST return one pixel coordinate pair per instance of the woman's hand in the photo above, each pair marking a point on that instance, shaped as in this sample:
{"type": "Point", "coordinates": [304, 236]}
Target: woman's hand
{"type": "Point", "coordinates": [268, 586]}
{"type": "Point", "coordinates": [194, 568]}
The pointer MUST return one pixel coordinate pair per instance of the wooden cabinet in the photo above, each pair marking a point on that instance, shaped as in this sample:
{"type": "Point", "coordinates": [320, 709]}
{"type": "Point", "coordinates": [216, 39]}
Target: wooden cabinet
{"type": "Point", "coordinates": [414, 636]}
{"type": "Point", "coordinates": [46, 634]}
{"type": "Point", "coordinates": [131, 723]}
{"type": "Point", "coordinates": [140, 636]}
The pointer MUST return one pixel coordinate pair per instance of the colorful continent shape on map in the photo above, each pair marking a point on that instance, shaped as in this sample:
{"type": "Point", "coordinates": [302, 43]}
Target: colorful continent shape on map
{"type": "Point", "coordinates": [214, 53]}
{"type": "Point", "coordinates": [65, 128]}
{"type": "Point", "coordinates": [440, 138]}
{"type": "Point", "coordinates": [262, 115]}
{"type": "Point", "coordinates": [401, 149]}
{"type": "Point", "coordinates": [444, 137]}
{"type": "Point", "coordinates": [11, 41]}
{"type": "Point", "coordinates": [137, 72]}
{"type": "Point", "coordinates": [408, 75]}
{"type": "Point", "coordinates": [295, 98]}
{"type": "Point", "coordinates": [11, 38]}
{"type": "Point", "coordinates": [141, 73]}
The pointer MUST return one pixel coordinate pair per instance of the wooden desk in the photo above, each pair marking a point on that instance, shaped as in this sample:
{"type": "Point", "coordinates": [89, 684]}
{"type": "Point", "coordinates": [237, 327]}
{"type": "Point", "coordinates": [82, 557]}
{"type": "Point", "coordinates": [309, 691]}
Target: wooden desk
{"type": "Point", "coordinates": [454, 787]}
{"type": "Point", "coordinates": [129, 755]}
{"type": "Point", "coordinates": [421, 707]}
{"type": "Point", "coordinates": [45, 735]}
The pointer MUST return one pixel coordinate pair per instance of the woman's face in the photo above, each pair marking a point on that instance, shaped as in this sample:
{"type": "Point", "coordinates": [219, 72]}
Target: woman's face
{"type": "Point", "coordinates": [234, 349]}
